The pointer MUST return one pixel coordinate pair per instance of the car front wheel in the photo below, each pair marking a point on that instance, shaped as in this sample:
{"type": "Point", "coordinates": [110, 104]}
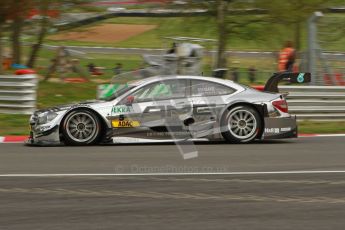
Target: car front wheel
{"type": "Point", "coordinates": [81, 127]}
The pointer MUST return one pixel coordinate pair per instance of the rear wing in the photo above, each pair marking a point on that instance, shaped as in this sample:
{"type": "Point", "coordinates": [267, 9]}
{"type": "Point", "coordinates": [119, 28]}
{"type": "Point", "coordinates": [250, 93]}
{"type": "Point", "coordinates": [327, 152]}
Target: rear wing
{"type": "Point", "coordinates": [272, 83]}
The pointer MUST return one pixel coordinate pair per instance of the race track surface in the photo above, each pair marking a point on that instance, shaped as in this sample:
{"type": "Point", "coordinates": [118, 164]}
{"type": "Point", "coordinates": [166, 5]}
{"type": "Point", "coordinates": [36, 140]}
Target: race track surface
{"type": "Point", "coordinates": [143, 186]}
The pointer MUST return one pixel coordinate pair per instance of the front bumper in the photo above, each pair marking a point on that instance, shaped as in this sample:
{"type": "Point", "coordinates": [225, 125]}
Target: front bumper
{"type": "Point", "coordinates": [49, 137]}
{"type": "Point", "coordinates": [279, 128]}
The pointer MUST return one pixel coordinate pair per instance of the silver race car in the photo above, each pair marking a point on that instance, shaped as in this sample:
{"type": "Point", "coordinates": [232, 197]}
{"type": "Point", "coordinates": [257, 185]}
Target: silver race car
{"type": "Point", "coordinates": [172, 108]}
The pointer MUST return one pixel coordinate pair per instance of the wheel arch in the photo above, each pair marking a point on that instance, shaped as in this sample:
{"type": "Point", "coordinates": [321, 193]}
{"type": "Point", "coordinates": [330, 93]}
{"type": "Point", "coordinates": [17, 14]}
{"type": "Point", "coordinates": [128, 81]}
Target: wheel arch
{"type": "Point", "coordinates": [104, 124]}
{"type": "Point", "coordinates": [260, 108]}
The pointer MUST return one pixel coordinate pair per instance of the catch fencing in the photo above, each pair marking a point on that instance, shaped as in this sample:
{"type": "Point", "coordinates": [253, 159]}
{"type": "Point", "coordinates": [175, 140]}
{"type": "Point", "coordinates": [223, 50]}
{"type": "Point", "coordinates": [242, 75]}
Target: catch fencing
{"type": "Point", "coordinates": [18, 94]}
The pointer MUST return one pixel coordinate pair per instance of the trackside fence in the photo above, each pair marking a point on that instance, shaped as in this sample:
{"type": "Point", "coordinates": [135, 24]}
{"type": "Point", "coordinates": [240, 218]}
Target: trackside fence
{"type": "Point", "coordinates": [18, 93]}
{"type": "Point", "coordinates": [316, 102]}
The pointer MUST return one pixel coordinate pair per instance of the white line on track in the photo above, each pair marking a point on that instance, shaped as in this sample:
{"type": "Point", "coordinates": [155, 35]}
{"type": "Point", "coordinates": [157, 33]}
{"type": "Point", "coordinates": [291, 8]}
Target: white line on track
{"type": "Point", "coordinates": [331, 135]}
{"type": "Point", "coordinates": [170, 174]}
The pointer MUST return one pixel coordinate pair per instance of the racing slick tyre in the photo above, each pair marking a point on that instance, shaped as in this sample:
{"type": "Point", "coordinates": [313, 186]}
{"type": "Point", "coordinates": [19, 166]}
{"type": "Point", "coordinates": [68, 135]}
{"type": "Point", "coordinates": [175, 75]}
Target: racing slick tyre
{"type": "Point", "coordinates": [241, 124]}
{"type": "Point", "coordinates": [81, 127]}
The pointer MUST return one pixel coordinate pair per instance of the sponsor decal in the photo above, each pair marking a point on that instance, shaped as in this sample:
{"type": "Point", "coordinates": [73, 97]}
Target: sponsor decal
{"type": "Point", "coordinates": [206, 89]}
{"type": "Point", "coordinates": [300, 78]}
{"type": "Point", "coordinates": [125, 124]}
{"type": "Point", "coordinates": [286, 129]}
{"type": "Point", "coordinates": [167, 134]}
{"type": "Point", "coordinates": [120, 109]}
{"type": "Point", "coordinates": [277, 130]}
{"type": "Point", "coordinates": [271, 130]}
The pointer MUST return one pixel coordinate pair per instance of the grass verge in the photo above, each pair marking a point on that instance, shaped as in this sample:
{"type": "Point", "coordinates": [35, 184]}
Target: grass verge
{"type": "Point", "coordinates": [308, 127]}
{"type": "Point", "coordinates": [252, 37]}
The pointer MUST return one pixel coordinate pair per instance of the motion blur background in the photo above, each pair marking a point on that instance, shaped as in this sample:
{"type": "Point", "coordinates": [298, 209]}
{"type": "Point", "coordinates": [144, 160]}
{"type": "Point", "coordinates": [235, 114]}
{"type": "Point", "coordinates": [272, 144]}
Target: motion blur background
{"type": "Point", "coordinates": [105, 38]}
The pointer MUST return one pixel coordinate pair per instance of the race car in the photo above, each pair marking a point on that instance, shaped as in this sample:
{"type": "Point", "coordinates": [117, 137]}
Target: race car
{"type": "Point", "coordinates": [172, 108]}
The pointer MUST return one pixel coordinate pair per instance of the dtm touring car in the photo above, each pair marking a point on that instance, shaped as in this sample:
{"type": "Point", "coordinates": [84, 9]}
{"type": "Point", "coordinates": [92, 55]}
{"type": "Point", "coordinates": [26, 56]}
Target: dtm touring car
{"type": "Point", "coordinates": [172, 108]}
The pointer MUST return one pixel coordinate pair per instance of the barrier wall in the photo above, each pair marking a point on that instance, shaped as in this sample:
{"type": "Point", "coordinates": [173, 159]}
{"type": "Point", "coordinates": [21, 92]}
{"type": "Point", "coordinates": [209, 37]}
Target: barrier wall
{"type": "Point", "coordinates": [18, 94]}
{"type": "Point", "coordinates": [316, 102]}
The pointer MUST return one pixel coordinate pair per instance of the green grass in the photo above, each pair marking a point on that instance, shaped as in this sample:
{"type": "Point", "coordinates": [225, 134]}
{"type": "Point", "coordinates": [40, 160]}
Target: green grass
{"type": "Point", "coordinates": [153, 38]}
{"type": "Point", "coordinates": [51, 94]}
{"type": "Point", "coordinates": [253, 37]}
{"type": "Point", "coordinates": [321, 127]}
{"type": "Point", "coordinates": [188, 27]}
{"type": "Point", "coordinates": [14, 124]}
{"type": "Point", "coordinates": [107, 61]}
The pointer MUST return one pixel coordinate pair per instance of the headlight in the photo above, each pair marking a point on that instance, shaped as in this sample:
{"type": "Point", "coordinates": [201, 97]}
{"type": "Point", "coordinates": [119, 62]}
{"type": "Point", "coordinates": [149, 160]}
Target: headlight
{"type": "Point", "coordinates": [46, 117]}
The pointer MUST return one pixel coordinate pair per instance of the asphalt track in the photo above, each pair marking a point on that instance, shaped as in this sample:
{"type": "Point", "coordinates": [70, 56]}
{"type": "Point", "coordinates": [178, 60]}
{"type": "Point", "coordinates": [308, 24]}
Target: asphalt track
{"type": "Point", "coordinates": [152, 187]}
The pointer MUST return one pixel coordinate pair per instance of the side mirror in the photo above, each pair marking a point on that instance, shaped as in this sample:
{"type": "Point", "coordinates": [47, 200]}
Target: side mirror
{"type": "Point", "coordinates": [129, 100]}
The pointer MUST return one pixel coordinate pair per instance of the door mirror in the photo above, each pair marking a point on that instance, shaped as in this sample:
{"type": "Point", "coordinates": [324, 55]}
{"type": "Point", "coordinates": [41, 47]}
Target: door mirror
{"type": "Point", "coordinates": [129, 100]}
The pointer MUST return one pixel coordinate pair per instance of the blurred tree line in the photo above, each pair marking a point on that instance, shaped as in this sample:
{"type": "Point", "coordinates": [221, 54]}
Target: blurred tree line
{"type": "Point", "coordinates": [233, 15]}
{"type": "Point", "coordinates": [13, 17]}
{"type": "Point", "coordinates": [291, 13]}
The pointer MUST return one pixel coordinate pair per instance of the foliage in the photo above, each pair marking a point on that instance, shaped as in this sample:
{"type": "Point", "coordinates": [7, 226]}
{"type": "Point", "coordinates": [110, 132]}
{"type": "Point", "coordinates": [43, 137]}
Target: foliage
{"type": "Point", "coordinates": [225, 13]}
{"type": "Point", "coordinates": [16, 14]}
{"type": "Point", "coordinates": [293, 13]}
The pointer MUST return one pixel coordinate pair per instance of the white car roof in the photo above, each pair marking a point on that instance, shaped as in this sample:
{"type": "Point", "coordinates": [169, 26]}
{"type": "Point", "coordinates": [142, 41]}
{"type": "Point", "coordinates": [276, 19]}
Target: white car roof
{"type": "Point", "coordinates": [161, 78]}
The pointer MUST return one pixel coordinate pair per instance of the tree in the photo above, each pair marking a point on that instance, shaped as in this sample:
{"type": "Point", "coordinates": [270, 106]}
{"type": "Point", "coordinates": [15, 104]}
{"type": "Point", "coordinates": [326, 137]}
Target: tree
{"type": "Point", "coordinates": [222, 33]}
{"type": "Point", "coordinates": [232, 16]}
{"type": "Point", "coordinates": [44, 23]}
{"type": "Point", "coordinates": [4, 13]}
{"type": "Point", "coordinates": [44, 6]}
{"type": "Point", "coordinates": [19, 11]}
{"type": "Point", "coordinates": [293, 13]}
{"type": "Point", "coordinates": [226, 14]}
{"type": "Point", "coordinates": [2, 22]}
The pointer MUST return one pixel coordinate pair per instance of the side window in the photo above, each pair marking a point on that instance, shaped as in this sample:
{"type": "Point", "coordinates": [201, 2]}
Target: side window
{"type": "Point", "coordinates": [207, 88]}
{"type": "Point", "coordinates": [163, 90]}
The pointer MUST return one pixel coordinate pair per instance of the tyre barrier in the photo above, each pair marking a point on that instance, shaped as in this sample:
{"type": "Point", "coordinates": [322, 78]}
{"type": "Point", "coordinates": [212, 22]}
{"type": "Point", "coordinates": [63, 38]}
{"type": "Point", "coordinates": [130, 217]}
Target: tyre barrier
{"type": "Point", "coordinates": [18, 93]}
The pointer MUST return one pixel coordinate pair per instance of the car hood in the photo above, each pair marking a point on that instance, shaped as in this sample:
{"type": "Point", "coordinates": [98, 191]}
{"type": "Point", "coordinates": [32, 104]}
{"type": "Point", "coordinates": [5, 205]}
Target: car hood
{"type": "Point", "coordinates": [69, 106]}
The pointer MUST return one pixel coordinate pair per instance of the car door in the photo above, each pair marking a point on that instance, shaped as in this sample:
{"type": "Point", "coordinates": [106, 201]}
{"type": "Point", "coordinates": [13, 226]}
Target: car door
{"type": "Point", "coordinates": [208, 99]}
{"type": "Point", "coordinates": [157, 109]}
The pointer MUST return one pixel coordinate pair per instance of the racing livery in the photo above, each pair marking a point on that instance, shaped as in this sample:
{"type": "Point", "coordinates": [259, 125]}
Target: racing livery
{"type": "Point", "coordinates": [172, 108]}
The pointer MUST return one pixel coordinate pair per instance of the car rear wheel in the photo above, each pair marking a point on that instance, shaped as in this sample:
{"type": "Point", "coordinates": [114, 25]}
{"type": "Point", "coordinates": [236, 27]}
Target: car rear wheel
{"type": "Point", "coordinates": [241, 124]}
{"type": "Point", "coordinates": [81, 127]}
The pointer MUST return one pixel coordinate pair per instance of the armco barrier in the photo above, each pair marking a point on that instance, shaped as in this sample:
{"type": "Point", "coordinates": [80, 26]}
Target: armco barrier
{"type": "Point", "coordinates": [18, 93]}
{"type": "Point", "coordinates": [316, 102]}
